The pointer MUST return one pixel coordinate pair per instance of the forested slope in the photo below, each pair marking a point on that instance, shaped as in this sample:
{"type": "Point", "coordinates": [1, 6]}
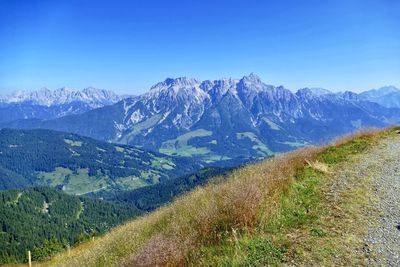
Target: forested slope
{"type": "Point", "coordinates": [46, 221]}
{"type": "Point", "coordinates": [80, 165]}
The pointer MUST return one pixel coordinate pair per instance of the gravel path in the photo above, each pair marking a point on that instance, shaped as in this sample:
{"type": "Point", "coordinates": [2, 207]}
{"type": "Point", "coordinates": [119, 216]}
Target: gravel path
{"type": "Point", "coordinates": [382, 243]}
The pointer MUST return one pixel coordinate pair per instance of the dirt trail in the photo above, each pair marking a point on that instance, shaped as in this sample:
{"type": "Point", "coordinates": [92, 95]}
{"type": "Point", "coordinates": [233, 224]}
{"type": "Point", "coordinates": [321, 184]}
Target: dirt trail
{"type": "Point", "coordinates": [383, 238]}
{"type": "Point", "coordinates": [381, 164]}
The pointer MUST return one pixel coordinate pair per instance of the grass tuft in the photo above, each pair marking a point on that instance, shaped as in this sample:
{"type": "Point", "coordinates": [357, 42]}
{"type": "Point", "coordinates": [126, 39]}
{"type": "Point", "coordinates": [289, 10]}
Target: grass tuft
{"type": "Point", "coordinates": [263, 252]}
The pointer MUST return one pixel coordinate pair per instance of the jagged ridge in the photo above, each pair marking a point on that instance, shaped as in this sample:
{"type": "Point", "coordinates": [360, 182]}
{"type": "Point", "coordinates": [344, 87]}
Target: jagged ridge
{"type": "Point", "coordinates": [226, 121]}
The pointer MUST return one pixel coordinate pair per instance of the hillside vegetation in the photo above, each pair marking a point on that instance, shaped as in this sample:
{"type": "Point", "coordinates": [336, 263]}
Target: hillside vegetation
{"type": "Point", "coordinates": [150, 197]}
{"type": "Point", "coordinates": [80, 165]}
{"type": "Point", "coordinates": [276, 212]}
{"type": "Point", "coordinates": [46, 221]}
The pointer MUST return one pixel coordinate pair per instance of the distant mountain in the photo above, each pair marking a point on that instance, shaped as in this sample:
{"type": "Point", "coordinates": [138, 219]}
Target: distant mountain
{"type": "Point", "coordinates": [317, 91]}
{"type": "Point", "coordinates": [387, 96]}
{"type": "Point", "coordinates": [79, 165]}
{"type": "Point", "coordinates": [48, 104]}
{"type": "Point", "coordinates": [227, 120]}
{"type": "Point", "coordinates": [45, 97]}
{"type": "Point", "coordinates": [46, 221]}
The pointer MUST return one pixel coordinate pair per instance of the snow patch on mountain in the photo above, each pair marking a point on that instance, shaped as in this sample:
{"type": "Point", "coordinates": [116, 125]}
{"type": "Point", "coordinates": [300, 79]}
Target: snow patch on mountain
{"type": "Point", "coordinates": [136, 117]}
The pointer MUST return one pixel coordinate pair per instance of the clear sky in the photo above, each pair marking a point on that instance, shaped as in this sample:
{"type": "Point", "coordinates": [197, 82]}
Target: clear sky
{"type": "Point", "coordinates": [127, 46]}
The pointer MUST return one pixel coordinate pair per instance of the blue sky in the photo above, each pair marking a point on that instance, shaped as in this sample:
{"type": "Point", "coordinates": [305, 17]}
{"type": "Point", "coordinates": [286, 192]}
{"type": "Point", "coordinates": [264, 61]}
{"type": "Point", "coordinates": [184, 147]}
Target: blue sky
{"type": "Point", "coordinates": [127, 46]}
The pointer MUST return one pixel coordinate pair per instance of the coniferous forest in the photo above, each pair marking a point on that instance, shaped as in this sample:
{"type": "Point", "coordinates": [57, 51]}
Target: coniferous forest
{"type": "Point", "coordinates": [80, 165]}
{"type": "Point", "coordinates": [46, 221]}
{"type": "Point", "coordinates": [152, 197]}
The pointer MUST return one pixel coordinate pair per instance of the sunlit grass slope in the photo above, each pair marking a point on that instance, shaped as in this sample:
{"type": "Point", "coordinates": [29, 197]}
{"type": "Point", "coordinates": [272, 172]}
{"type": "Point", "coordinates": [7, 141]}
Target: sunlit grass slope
{"type": "Point", "coordinates": [271, 213]}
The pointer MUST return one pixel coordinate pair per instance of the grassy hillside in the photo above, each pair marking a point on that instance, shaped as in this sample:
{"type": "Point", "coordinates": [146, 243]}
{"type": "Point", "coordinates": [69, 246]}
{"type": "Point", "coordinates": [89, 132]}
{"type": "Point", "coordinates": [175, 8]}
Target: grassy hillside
{"type": "Point", "coordinates": [276, 212]}
{"type": "Point", "coordinates": [79, 165]}
{"type": "Point", "coordinates": [46, 221]}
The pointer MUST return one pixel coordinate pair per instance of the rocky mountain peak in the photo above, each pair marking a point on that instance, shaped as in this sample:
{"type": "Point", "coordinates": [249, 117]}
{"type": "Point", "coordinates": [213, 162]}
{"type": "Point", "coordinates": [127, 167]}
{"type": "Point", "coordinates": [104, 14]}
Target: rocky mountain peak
{"type": "Point", "coordinates": [253, 78]}
{"type": "Point", "coordinates": [350, 96]}
{"type": "Point", "coordinates": [385, 90]}
{"type": "Point", "coordinates": [252, 83]}
{"type": "Point", "coordinates": [177, 82]}
{"type": "Point", "coordinates": [312, 92]}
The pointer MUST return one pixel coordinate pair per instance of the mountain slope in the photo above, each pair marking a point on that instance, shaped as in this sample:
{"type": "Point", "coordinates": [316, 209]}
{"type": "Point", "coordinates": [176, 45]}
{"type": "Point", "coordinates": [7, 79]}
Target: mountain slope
{"type": "Point", "coordinates": [48, 104]}
{"type": "Point", "coordinates": [291, 209]}
{"type": "Point", "coordinates": [45, 221]}
{"type": "Point", "coordinates": [227, 121]}
{"type": "Point", "coordinates": [50, 211]}
{"type": "Point", "coordinates": [151, 197]}
{"type": "Point", "coordinates": [388, 96]}
{"type": "Point", "coordinates": [80, 165]}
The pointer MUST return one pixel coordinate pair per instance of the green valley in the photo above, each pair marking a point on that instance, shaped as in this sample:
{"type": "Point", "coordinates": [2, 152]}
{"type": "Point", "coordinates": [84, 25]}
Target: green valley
{"type": "Point", "coordinates": [80, 165]}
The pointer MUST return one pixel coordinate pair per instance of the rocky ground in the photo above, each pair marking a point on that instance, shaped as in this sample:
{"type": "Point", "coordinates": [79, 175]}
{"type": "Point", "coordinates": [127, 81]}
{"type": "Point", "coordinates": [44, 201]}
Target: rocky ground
{"type": "Point", "coordinates": [383, 238]}
{"type": "Point", "coordinates": [377, 228]}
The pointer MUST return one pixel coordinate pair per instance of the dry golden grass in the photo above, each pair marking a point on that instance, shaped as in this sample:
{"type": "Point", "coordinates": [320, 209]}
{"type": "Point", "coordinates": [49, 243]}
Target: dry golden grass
{"type": "Point", "coordinates": [319, 166]}
{"type": "Point", "coordinates": [203, 216]}
{"type": "Point", "coordinates": [168, 236]}
{"type": "Point", "coordinates": [368, 133]}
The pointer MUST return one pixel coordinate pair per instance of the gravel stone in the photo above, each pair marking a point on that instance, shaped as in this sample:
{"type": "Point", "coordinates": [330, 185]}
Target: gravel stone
{"type": "Point", "coordinates": [382, 242]}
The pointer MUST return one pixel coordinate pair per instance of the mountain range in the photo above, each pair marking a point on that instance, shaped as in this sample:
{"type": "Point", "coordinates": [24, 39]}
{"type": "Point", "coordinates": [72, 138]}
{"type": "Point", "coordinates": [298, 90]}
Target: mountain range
{"type": "Point", "coordinates": [49, 104]}
{"type": "Point", "coordinates": [387, 96]}
{"type": "Point", "coordinates": [227, 121]}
